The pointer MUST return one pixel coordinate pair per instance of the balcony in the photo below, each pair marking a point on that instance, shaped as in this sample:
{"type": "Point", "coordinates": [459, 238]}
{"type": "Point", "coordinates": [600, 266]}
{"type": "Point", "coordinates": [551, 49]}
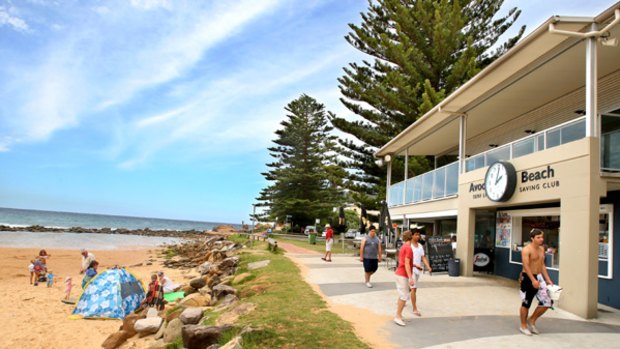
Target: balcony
{"type": "Point", "coordinates": [440, 183]}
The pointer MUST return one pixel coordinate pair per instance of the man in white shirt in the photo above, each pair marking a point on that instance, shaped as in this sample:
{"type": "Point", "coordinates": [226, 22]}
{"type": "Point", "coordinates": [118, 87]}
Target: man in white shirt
{"type": "Point", "coordinates": [419, 257]}
{"type": "Point", "coordinates": [87, 258]}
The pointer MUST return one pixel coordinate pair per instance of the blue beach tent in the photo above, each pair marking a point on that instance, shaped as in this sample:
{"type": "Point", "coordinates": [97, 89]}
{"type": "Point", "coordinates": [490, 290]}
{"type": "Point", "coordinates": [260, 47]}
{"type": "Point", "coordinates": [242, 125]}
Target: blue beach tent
{"type": "Point", "coordinates": [113, 293]}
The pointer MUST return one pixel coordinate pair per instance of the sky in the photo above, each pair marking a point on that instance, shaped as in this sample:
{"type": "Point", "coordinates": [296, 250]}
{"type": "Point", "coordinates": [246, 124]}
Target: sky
{"type": "Point", "coordinates": [162, 108]}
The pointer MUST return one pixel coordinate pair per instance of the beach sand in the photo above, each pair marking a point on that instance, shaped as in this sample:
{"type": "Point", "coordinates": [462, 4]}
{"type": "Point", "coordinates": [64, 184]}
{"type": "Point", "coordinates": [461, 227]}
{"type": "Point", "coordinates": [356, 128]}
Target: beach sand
{"type": "Point", "coordinates": [35, 317]}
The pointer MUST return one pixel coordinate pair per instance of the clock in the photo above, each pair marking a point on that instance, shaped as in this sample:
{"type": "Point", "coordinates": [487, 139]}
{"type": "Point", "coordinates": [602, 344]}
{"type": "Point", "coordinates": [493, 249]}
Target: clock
{"type": "Point", "coordinates": [500, 181]}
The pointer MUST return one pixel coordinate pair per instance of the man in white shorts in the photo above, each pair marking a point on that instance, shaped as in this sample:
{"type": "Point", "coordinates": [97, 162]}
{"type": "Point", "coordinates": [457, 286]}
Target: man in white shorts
{"type": "Point", "coordinates": [419, 257]}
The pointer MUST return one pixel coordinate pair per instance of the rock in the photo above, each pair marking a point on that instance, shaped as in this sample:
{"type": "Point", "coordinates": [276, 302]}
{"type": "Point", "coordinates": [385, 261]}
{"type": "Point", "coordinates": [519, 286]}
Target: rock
{"type": "Point", "coordinates": [241, 278]}
{"type": "Point", "coordinates": [228, 300]}
{"type": "Point", "coordinates": [235, 343]}
{"type": "Point", "coordinates": [195, 300]}
{"type": "Point", "coordinates": [198, 283]}
{"type": "Point", "coordinates": [148, 326]}
{"type": "Point", "coordinates": [187, 289]}
{"type": "Point", "coordinates": [230, 317]}
{"type": "Point", "coordinates": [205, 267]}
{"type": "Point", "coordinates": [128, 323]}
{"type": "Point", "coordinates": [205, 291]}
{"type": "Point", "coordinates": [160, 333]}
{"type": "Point", "coordinates": [152, 312]}
{"type": "Point", "coordinates": [173, 315]}
{"type": "Point", "coordinates": [115, 340]}
{"type": "Point", "coordinates": [259, 264]}
{"type": "Point", "coordinates": [191, 316]}
{"type": "Point", "coordinates": [221, 290]}
{"type": "Point", "coordinates": [213, 281]}
{"type": "Point", "coordinates": [173, 330]}
{"type": "Point", "coordinates": [199, 337]}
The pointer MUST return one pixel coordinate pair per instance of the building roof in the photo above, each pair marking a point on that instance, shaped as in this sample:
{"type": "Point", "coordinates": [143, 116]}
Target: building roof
{"type": "Point", "coordinates": [542, 67]}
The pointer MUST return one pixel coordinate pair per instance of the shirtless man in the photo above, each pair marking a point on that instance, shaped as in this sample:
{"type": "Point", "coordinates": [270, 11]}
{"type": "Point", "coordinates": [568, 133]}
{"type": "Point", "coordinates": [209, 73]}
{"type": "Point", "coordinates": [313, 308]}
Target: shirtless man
{"type": "Point", "coordinates": [534, 280]}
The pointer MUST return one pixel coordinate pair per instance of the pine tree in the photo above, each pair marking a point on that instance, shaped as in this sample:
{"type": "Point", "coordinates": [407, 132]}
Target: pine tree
{"type": "Point", "coordinates": [305, 181]}
{"type": "Point", "coordinates": [423, 50]}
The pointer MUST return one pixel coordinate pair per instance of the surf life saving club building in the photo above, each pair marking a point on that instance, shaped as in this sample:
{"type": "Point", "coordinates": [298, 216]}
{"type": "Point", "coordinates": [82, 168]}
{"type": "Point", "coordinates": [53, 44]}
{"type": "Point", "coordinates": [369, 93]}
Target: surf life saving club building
{"type": "Point", "coordinates": [532, 141]}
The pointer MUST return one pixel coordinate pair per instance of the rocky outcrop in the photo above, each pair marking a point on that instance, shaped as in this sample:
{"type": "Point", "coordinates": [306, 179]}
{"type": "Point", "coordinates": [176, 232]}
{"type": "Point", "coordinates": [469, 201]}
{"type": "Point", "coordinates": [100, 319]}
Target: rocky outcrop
{"type": "Point", "coordinates": [199, 337]}
{"type": "Point", "coordinates": [143, 232]}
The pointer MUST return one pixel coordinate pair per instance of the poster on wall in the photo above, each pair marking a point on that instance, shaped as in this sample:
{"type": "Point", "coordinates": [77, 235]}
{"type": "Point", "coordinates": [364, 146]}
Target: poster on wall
{"type": "Point", "coordinates": [503, 230]}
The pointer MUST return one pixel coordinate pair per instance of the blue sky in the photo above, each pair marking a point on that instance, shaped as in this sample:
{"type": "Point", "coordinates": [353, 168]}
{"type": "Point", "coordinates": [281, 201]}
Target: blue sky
{"type": "Point", "coordinates": [163, 108]}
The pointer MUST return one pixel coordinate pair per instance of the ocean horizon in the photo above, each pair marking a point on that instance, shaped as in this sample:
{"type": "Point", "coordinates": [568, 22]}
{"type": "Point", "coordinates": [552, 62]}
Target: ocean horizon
{"type": "Point", "coordinates": [16, 217]}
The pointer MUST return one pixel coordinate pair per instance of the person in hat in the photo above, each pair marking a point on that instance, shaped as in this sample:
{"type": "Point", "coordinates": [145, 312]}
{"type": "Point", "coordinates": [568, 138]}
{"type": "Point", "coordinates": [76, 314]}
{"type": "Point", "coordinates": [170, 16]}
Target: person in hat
{"type": "Point", "coordinates": [87, 259]}
{"type": "Point", "coordinates": [329, 241]}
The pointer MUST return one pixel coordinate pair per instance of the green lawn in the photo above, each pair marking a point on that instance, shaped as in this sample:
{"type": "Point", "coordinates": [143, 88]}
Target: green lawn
{"type": "Point", "coordinates": [289, 313]}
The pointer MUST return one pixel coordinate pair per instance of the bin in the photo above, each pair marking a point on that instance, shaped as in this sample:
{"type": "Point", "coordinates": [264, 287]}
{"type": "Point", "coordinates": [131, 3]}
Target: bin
{"type": "Point", "coordinates": [312, 238]}
{"type": "Point", "coordinates": [454, 267]}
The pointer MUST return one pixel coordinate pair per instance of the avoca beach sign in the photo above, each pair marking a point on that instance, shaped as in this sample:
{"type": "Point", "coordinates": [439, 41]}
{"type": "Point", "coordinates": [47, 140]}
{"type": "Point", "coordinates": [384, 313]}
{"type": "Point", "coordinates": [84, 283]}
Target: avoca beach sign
{"type": "Point", "coordinates": [528, 181]}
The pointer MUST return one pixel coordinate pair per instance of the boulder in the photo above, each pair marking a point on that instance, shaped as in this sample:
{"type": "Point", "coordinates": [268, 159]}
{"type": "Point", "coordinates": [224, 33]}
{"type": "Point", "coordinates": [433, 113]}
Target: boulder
{"type": "Point", "coordinates": [200, 337]}
{"type": "Point", "coordinates": [227, 301]}
{"type": "Point", "coordinates": [173, 330]}
{"type": "Point", "coordinates": [259, 264]}
{"type": "Point", "coordinates": [198, 283]}
{"type": "Point", "coordinates": [115, 340]}
{"type": "Point", "coordinates": [191, 316]}
{"type": "Point", "coordinates": [152, 312]}
{"type": "Point", "coordinates": [205, 267]}
{"type": "Point", "coordinates": [230, 317]}
{"type": "Point", "coordinates": [213, 281]}
{"type": "Point", "coordinates": [187, 289]}
{"type": "Point", "coordinates": [241, 278]}
{"type": "Point", "coordinates": [148, 326]}
{"type": "Point", "coordinates": [158, 344]}
{"type": "Point", "coordinates": [205, 291]}
{"type": "Point", "coordinates": [235, 343]}
{"type": "Point", "coordinates": [195, 300]}
{"type": "Point", "coordinates": [160, 333]}
{"type": "Point", "coordinates": [128, 323]}
{"type": "Point", "coordinates": [222, 290]}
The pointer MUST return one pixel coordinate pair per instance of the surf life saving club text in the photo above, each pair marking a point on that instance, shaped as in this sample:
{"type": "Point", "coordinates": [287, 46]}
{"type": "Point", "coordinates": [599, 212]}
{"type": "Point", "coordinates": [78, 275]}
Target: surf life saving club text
{"type": "Point", "coordinates": [530, 181]}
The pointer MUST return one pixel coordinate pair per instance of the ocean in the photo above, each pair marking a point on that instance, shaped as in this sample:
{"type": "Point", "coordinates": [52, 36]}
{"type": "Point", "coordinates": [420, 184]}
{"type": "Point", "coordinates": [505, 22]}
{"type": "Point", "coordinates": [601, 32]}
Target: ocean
{"type": "Point", "coordinates": [24, 218]}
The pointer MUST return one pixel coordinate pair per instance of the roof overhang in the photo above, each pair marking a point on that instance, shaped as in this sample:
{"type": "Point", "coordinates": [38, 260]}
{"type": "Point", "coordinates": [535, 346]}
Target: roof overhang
{"type": "Point", "coordinates": [540, 68]}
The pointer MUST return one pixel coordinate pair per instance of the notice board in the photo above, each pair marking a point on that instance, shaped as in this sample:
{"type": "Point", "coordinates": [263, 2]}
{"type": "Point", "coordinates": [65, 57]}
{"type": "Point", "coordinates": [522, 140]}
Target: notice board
{"type": "Point", "coordinates": [439, 253]}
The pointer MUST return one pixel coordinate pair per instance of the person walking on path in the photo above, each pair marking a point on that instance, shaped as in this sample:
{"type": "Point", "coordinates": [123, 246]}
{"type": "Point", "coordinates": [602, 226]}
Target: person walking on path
{"type": "Point", "coordinates": [87, 258]}
{"type": "Point", "coordinates": [404, 277]}
{"type": "Point", "coordinates": [419, 257]}
{"type": "Point", "coordinates": [329, 242]}
{"type": "Point", "coordinates": [534, 280]}
{"type": "Point", "coordinates": [370, 254]}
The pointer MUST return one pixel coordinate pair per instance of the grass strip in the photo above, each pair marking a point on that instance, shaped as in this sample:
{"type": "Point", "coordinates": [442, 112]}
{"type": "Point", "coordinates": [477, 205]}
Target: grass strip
{"type": "Point", "coordinates": [289, 313]}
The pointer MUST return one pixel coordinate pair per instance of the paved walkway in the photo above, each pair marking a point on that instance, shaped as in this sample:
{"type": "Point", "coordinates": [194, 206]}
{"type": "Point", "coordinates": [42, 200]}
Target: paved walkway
{"type": "Point", "coordinates": [457, 312]}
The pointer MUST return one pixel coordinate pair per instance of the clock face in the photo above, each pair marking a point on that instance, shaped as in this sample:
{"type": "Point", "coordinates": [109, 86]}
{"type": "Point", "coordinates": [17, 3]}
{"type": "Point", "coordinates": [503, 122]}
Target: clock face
{"type": "Point", "coordinates": [499, 182]}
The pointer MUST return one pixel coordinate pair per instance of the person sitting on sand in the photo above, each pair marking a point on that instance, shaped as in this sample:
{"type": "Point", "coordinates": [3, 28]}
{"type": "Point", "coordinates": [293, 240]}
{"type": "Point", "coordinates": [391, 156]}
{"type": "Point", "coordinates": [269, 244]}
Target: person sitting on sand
{"type": "Point", "coordinates": [155, 295]}
{"type": "Point", "coordinates": [90, 273]}
{"type": "Point", "coordinates": [87, 258]}
{"type": "Point", "coordinates": [39, 270]}
{"type": "Point", "coordinates": [167, 284]}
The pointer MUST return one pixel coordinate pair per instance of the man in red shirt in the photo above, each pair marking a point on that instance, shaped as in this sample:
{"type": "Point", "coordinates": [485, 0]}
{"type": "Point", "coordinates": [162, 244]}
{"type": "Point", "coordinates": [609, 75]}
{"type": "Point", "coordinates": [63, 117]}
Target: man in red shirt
{"type": "Point", "coordinates": [329, 241]}
{"type": "Point", "coordinates": [404, 277]}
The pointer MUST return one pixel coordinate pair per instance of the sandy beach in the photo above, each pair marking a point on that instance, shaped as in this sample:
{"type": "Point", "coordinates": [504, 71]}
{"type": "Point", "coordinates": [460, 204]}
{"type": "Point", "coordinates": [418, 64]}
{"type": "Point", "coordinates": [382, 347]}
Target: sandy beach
{"type": "Point", "coordinates": [35, 317]}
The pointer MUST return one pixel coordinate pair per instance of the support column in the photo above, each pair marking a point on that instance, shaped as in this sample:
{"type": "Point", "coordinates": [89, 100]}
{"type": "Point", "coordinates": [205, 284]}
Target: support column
{"type": "Point", "coordinates": [388, 182]}
{"type": "Point", "coordinates": [462, 137]}
{"type": "Point", "coordinates": [591, 86]}
{"type": "Point", "coordinates": [579, 237]}
{"type": "Point", "coordinates": [465, 228]}
{"type": "Point", "coordinates": [405, 176]}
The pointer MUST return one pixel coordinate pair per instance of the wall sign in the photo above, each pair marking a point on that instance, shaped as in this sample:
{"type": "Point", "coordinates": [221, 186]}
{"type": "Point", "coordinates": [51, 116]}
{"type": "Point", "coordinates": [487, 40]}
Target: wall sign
{"type": "Point", "coordinates": [498, 182]}
{"type": "Point", "coordinates": [503, 230]}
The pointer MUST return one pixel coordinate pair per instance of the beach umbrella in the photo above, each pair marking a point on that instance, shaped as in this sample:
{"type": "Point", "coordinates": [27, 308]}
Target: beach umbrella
{"type": "Point", "coordinates": [342, 225]}
{"type": "Point", "coordinates": [363, 220]}
{"type": "Point", "coordinates": [385, 221]}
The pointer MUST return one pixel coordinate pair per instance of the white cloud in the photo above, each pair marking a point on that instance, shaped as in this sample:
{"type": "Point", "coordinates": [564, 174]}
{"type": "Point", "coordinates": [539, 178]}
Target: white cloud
{"type": "Point", "coordinates": [6, 18]}
{"type": "Point", "coordinates": [151, 4]}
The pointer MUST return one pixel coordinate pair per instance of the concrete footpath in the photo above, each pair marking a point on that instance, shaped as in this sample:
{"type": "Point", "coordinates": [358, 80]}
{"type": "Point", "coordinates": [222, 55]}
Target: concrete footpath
{"type": "Point", "coordinates": [457, 312]}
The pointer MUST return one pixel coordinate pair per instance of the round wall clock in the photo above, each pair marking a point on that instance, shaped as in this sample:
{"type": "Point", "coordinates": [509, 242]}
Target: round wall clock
{"type": "Point", "coordinates": [500, 181]}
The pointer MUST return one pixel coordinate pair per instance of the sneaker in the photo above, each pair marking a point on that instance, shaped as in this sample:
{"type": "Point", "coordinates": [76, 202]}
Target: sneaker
{"type": "Point", "coordinates": [369, 285]}
{"type": "Point", "coordinates": [533, 328]}
{"type": "Point", "coordinates": [399, 322]}
{"type": "Point", "coordinates": [525, 331]}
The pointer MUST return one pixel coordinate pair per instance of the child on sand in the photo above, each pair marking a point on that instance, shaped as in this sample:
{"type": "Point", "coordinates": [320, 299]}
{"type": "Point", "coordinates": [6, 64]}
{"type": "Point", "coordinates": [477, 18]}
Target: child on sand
{"type": "Point", "coordinates": [155, 294]}
{"type": "Point", "coordinates": [50, 279]}
{"type": "Point", "coordinates": [68, 286]}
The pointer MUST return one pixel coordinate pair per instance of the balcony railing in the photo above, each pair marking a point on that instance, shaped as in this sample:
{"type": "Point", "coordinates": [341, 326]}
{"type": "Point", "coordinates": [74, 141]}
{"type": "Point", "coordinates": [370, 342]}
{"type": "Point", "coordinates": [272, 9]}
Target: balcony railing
{"type": "Point", "coordinates": [443, 182]}
{"type": "Point", "coordinates": [549, 138]}
{"type": "Point", "coordinates": [437, 184]}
